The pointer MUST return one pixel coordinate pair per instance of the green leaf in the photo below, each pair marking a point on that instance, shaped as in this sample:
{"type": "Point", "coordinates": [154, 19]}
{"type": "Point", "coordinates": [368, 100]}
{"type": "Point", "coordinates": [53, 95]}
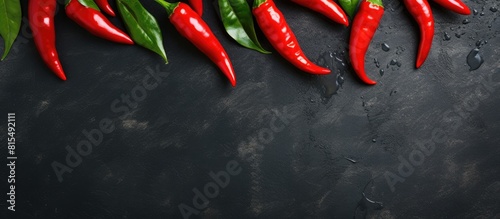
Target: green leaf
{"type": "Point", "coordinates": [349, 6]}
{"type": "Point", "coordinates": [86, 3]}
{"type": "Point", "coordinates": [238, 21]}
{"type": "Point", "coordinates": [10, 23]}
{"type": "Point", "coordinates": [142, 26]}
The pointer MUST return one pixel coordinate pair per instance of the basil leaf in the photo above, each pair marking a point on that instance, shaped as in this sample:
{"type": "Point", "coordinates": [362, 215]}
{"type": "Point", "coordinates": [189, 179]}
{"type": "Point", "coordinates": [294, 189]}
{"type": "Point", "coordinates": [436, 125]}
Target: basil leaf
{"type": "Point", "coordinates": [238, 22]}
{"type": "Point", "coordinates": [349, 6]}
{"type": "Point", "coordinates": [142, 26]}
{"type": "Point", "coordinates": [10, 23]}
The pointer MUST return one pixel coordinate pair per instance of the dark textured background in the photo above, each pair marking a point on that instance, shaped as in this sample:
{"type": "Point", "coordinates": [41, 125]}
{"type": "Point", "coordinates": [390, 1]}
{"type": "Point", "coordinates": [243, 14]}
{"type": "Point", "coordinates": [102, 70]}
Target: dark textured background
{"type": "Point", "coordinates": [194, 123]}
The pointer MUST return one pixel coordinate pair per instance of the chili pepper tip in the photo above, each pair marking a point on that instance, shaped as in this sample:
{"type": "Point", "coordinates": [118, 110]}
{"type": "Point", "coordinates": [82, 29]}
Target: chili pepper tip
{"type": "Point", "coordinates": [60, 74]}
{"type": "Point", "coordinates": [456, 6]}
{"type": "Point", "coordinates": [366, 79]}
{"type": "Point", "coordinates": [419, 63]}
{"type": "Point", "coordinates": [110, 12]}
{"type": "Point", "coordinates": [466, 11]}
{"type": "Point", "coordinates": [104, 5]}
{"type": "Point", "coordinates": [317, 70]}
{"type": "Point", "coordinates": [370, 82]}
{"type": "Point", "coordinates": [197, 5]}
{"type": "Point", "coordinates": [230, 76]}
{"type": "Point", "coordinates": [127, 40]}
{"type": "Point", "coordinates": [327, 8]}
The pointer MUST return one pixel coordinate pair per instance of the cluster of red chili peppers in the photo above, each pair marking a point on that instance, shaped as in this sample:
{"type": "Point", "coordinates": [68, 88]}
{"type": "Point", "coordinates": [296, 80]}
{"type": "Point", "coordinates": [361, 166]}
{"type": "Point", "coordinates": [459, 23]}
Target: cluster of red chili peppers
{"type": "Point", "coordinates": [189, 23]}
{"type": "Point", "coordinates": [368, 18]}
{"type": "Point", "coordinates": [41, 19]}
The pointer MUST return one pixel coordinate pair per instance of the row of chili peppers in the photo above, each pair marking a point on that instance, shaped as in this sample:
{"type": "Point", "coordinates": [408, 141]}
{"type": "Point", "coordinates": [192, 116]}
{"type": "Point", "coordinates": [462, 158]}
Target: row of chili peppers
{"type": "Point", "coordinates": [368, 17]}
{"type": "Point", "coordinates": [238, 21]}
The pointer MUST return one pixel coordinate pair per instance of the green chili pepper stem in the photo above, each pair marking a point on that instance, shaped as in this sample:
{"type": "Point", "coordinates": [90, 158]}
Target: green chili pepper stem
{"type": "Point", "coordinates": [257, 3]}
{"type": "Point", "coordinates": [376, 2]}
{"type": "Point", "coordinates": [169, 6]}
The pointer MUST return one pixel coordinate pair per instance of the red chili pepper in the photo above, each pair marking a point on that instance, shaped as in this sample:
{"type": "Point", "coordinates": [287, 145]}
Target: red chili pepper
{"type": "Point", "coordinates": [191, 26]}
{"type": "Point", "coordinates": [421, 11]}
{"type": "Point", "coordinates": [197, 6]}
{"type": "Point", "coordinates": [273, 24]}
{"type": "Point", "coordinates": [104, 5]}
{"type": "Point", "coordinates": [363, 28]}
{"type": "Point", "coordinates": [327, 8]}
{"type": "Point", "coordinates": [41, 18]}
{"type": "Point", "coordinates": [455, 6]}
{"type": "Point", "coordinates": [95, 22]}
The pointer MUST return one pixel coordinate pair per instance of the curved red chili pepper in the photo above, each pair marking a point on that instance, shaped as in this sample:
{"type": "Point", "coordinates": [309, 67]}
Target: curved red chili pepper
{"type": "Point", "coordinates": [327, 8]}
{"type": "Point", "coordinates": [421, 11]}
{"type": "Point", "coordinates": [455, 6]}
{"type": "Point", "coordinates": [41, 18]}
{"type": "Point", "coordinates": [273, 24]}
{"type": "Point", "coordinates": [104, 5]}
{"type": "Point", "coordinates": [197, 6]}
{"type": "Point", "coordinates": [95, 22]}
{"type": "Point", "coordinates": [363, 28]}
{"type": "Point", "coordinates": [191, 26]}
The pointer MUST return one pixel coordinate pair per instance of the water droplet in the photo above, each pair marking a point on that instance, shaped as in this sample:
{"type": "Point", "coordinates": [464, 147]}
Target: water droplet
{"type": "Point", "coordinates": [340, 81]}
{"type": "Point", "coordinates": [475, 12]}
{"type": "Point", "coordinates": [474, 59]}
{"type": "Point", "coordinates": [398, 64]}
{"type": "Point", "coordinates": [376, 63]}
{"type": "Point", "coordinates": [493, 9]}
{"type": "Point", "coordinates": [489, 26]}
{"type": "Point", "coordinates": [381, 72]}
{"type": "Point", "coordinates": [482, 14]}
{"type": "Point", "coordinates": [311, 100]}
{"type": "Point", "coordinates": [394, 62]}
{"type": "Point", "coordinates": [374, 140]}
{"type": "Point", "coordinates": [452, 28]}
{"type": "Point", "coordinates": [466, 21]}
{"type": "Point", "coordinates": [351, 160]}
{"type": "Point", "coordinates": [385, 47]}
{"type": "Point", "coordinates": [446, 36]}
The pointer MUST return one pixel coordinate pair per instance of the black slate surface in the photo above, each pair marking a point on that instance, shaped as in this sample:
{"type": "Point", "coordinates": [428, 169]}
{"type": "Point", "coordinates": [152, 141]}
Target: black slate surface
{"type": "Point", "coordinates": [297, 146]}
